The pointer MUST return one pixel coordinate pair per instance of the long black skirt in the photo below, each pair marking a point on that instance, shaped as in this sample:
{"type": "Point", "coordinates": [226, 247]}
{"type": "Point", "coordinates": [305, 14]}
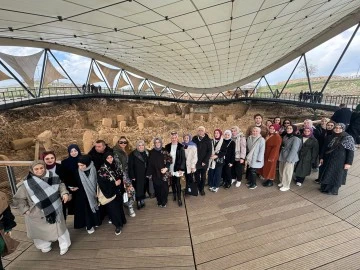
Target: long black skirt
{"type": "Point", "coordinates": [83, 216]}
{"type": "Point", "coordinates": [115, 211]}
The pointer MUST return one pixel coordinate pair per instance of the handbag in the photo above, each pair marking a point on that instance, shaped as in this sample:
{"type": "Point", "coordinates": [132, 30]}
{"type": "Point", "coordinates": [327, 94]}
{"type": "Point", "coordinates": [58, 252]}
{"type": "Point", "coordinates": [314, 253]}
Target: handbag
{"type": "Point", "coordinates": [102, 199]}
{"type": "Point", "coordinates": [125, 197]}
{"type": "Point", "coordinates": [10, 243]}
{"type": "Point", "coordinates": [220, 160]}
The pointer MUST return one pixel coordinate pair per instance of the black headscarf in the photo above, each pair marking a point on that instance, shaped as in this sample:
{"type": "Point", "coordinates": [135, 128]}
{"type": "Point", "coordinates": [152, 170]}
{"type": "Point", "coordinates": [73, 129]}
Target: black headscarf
{"type": "Point", "coordinates": [70, 162]}
{"type": "Point", "coordinates": [112, 165]}
{"type": "Point", "coordinates": [85, 159]}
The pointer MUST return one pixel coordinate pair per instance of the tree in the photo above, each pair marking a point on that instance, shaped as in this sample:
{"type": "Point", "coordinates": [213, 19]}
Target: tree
{"type": "Point", "coordinates": [312, 69]}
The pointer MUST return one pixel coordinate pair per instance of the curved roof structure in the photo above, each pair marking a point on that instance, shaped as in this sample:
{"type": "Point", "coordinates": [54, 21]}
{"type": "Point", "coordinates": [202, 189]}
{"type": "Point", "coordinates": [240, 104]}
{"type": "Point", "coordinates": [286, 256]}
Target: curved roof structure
{"type": "Point", "coordinates": [190, 45]}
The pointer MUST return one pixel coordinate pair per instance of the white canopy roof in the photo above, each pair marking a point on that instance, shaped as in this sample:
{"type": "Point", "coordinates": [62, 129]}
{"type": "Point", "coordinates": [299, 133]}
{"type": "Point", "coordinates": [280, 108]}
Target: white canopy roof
{"type": "Point", "coordinates": [190, 45]}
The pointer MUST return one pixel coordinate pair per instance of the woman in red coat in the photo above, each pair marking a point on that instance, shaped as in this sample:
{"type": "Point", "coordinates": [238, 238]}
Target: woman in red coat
{"type": "Point", "coordinates": [272, 150]}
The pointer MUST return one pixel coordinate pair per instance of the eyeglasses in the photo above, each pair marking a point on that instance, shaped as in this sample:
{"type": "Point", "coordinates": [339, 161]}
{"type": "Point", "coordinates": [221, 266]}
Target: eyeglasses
{"type": "Point", "coordinates": [122, 142]}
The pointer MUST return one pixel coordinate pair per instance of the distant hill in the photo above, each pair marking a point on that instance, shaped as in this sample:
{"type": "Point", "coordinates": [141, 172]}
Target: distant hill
{"type": "Point", "coordinates": [337, 86]}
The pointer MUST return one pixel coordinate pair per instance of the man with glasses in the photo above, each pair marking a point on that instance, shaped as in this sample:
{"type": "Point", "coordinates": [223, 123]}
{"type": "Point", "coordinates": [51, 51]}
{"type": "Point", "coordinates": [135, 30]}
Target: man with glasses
{"type": "Point", "coordinates": [177, 166]}
{"type": "Point", "coordinates": [204, 150]}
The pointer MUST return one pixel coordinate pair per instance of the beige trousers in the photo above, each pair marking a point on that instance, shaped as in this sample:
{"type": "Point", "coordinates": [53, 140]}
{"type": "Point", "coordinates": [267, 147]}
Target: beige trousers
{"type": "Point", "coordinates": [286, 171]}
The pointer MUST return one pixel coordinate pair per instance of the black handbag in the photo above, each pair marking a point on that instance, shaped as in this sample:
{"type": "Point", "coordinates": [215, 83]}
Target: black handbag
{"type": "Point", "coordinates": [191, 187]}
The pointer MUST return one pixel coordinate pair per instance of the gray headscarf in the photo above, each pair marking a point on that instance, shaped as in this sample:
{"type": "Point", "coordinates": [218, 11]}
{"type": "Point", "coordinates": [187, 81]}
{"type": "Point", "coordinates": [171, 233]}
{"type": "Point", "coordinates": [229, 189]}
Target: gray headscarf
{"type": "Point", "coordinates": [158, 139]}
{"type": "Point", "coordinates": [138, 144]}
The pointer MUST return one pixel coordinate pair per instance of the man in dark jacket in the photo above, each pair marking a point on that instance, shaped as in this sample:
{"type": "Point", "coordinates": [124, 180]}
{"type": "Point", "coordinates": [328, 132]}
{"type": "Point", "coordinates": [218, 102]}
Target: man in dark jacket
{"type": "Point", "coordinates": [204, 149]}
{"type": "Point", "coordinates": [342, 115]}
{"type": "Point", "coordinates": [97, 153]}
{"type": "Point", "coordinates": [177, 167]}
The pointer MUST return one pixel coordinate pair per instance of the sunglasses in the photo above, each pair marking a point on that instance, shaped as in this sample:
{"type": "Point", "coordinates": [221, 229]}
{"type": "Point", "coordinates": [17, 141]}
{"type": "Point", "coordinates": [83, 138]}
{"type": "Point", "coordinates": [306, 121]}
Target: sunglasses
{"type": "Point", "coordinates": [122, 142]}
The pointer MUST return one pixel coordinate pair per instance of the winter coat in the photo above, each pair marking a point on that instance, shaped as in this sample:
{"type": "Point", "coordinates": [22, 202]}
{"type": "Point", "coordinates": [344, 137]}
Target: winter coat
{"type": "Point", "coordinates": [35, 221]}
{"type": "Point", "coordinates": [219, 149]}
{"type": "Point", "coordinates": [257, 159]}
{"type": "Point", "coordinates": [271, 156]}
{"type": "Point", "coordinates": [241, 141]}
{"type": "Point", "coordinates": [354, 127]}
{"type": "Point", "coordinates": [191, 157]}
{"type": "Point", "coordinates": [342, 115]}
{"type": "Point", "coordinates": [98, 158]}
{"type": "Point", "coordinates": [230, 152]}
{"type": "Point", "coordinates": [204, 151]}
{"type": "Point", "coordinates": [157, 161]}
{"type": "Point", "coordinates": [121, 158]}
{"type": "Point", "coordinates": [263, 132]}
{"type": "Point", "coordinates": [180, 157]}
{"type": "Point", "coordinates": [138, 164]}
{"type": "Point", "coordinates": [308, 156]}
{"type": "Point", "coordinates": [289, 149]}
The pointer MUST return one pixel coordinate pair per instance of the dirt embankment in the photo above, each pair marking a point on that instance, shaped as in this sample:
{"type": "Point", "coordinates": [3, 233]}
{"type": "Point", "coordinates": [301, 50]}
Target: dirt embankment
{"type": "Point", "coordinates": [69, 120]}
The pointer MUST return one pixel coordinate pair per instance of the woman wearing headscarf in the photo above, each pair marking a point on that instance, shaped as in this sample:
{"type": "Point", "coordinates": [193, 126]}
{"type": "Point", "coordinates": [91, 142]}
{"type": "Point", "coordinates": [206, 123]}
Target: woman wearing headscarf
{"type": "Point", "coordinates": [308, 155]}
{"type": "Point", "coordinates": [271, 156]}
{"type": "Point", "coordinates": [138, 163]}
{"type": "Point", "coordinates": [158, 170]}
{"type": "Point", "coordinates": [49, 158]}
{"type": "Point", "coordinates": [191, 157]}
{"type": "Point", "coordinates": [216, 161]}
{"type": "Point", "coordinates": [336, 156]}
{"type": "Point", "coordinates": [121, 151]}
{"type": "Point", "coordinates": [229, 158]}
{"type": "Point", "coordinates": [285, 124]}
{"type": "Point", "coordinates": [288, 157]}
{"type": "Point", "coordinates": [38, 198]}
{"type": "Point", "coordinates": [86, 205]}
{"type": "Point", "coordinates": [110, 181]}
{"type": "Point", "coordinates": [70, 171]}
{"type": "Point", "coordinates": [255, 155]}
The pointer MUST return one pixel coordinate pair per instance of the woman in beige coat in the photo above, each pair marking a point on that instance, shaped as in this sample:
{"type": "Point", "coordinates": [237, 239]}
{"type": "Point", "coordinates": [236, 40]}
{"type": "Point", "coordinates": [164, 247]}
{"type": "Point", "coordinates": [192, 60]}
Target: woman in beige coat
{"type": "Point", "coordinates": [39, 199]}
{"type": "Point", "coordinates": [191, 157]}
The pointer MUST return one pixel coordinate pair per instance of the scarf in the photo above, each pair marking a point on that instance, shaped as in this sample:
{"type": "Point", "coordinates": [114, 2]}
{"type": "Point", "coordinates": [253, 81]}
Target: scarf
{"type": "Point", "coordinates": [143, 156]}
{"type": "Point", "coordinates": [71, 163]}
{"type": "Point", "coordinates": [186, 145]}
{"type": "Point", "coordinates": [215, 150]}
{"type": "Point", "coordinates": [236, 139]}
{"type": "Point", "coordinates": [89, 184]}
{"type": "Point", "coordinates": [343, 139]}
{"type": "Point", "coordinates": [44, 192]}
{"type": "Point", "coordinates": [253, 142]}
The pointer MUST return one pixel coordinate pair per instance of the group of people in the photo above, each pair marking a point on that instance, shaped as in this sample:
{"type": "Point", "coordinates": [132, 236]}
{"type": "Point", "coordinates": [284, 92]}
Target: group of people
{"type": "Point", "coordinates": [312, 97]}
{"type": "Point", "coordinates": [91, 88]}
{"type": "Point", "coordinates": [107, 180]}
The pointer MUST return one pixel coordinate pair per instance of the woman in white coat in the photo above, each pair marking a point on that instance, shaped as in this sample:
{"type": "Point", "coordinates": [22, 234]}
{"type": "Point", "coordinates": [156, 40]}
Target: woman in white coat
{"type": "Point", "coordinates": [255, 155]}
{"type": "Point", "coordinates": [38, 198]}
{"type": "Point", "coordinates": [191, 157]}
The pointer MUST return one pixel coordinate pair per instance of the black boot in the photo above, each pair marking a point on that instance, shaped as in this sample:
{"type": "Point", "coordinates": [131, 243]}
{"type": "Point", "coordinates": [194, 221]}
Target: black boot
{"type": "Point", "coordinates": [179, 203]}
{"type": "Point", "coordinates": [138, 205]}
{"type": "Point", "coordinates": [174, 197]}
{"type": "Point", "coordinates": [142, 203]}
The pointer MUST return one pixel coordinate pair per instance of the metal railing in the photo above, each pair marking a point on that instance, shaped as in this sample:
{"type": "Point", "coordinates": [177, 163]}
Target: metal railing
{"type": "Point", "coordinates": [13, 95]}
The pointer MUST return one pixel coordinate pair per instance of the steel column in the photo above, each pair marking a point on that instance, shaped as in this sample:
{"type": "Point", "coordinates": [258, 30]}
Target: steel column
{"type": "Point", "coordinates": [341, 56]}
{"type": "Point", "coordinates": [307, 73]}
{"type": "Point", "coordinates": [290, 75]}
{"type": "Point", "coordinates": [64, 71]}
{"type": "Point", "coordinates": [16, 78]}
{"type": "Point", "coordinates": [88, 76]}
{"type": "Point", "coordinates": [102, 76]}
{"type": "Point", "coordinates": [42, 73]}
{"type": "Point", "coordinates": [268, 86]}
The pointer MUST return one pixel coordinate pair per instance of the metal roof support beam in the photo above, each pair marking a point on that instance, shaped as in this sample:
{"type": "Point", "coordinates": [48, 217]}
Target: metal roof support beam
{"type": "Point", "coordinates": [88, 76]}
{"type": "Point", "coordinates": [42, 73]}
{"type": "Point", "coordinates": [64, 71]}
{"type": "Point", "coordinates": [17, 79]}
{"type": "Point", "coordinates": [102, 76]}
{"type": "Point", "coordinates": [268, 86]}
{"type": "Point", "coordinates": [290, 76]}
{"type": "Point", "coordinates": [341, 56]}
{"type": "Point", "coordinates": [307, 73]}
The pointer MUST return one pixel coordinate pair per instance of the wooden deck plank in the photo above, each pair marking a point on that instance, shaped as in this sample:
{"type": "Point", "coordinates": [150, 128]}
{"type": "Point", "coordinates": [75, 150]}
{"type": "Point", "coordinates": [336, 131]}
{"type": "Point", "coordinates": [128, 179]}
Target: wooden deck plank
{"type": "Point", "coordinates": [350, 262]}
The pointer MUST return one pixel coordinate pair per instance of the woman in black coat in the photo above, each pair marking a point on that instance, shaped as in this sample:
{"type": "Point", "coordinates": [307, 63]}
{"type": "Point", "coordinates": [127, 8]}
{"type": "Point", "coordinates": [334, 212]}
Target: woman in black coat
{"type": "Point", "coordinates": [137, 165]}
{"type": "Point", "coordinates": [336, 157]}
{"type": "Point", "coordinates": [229, 158]}
{"type": "Point", "coordinates": [308, 156]}
{"type": "Point", "coordinates": [158, 170]}
{"type": "Point", "coordinates": [70, 171]}
{"type": "Point", "coordinates": [110, 181]}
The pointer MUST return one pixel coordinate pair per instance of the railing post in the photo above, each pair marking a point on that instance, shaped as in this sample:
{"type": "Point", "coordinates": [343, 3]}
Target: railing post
{"type": "Point", "coordinates": [12, 179]}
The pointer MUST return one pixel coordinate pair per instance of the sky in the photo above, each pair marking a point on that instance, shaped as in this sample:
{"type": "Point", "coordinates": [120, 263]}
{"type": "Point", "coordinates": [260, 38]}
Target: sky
{"type": "Point", "coordinates": [322, 57]}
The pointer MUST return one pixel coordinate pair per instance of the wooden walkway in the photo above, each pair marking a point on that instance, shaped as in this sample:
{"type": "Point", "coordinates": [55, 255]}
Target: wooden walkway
{"type": "Point", "coordinates": [232, 229]}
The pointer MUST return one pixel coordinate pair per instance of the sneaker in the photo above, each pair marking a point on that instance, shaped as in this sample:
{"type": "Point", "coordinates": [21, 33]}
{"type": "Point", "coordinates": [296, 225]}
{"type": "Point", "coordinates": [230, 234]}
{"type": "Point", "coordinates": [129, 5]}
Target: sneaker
{"type": "Point", "coordinates": [63, 251]}
{"type": "Point", "coordinates": [91, 231]}
{"type": "Point", "coordinates": [215, 190]}
{"type": "Point", "coordinates": [284, 189]}
{"type": "Point", "coordinates": [253, 186]}
{"type": "Point", "coordinates": [163, 206]}
{"type": "Point", "coordinates": [132, 212]}
{"type": "Point", "coordinates": [211, 188]}
{"type": "Point", "coordinates": [298, 184]}
{"type": "Point", "coordinates": [317, 181]}
{"type": "Point", "coordinates": [233, 181]}
{"type": "Point", "coordinates": [280, 185]}
{"type": "Point", "coordinates": [238, 184]}
{"type": "Point", "coordinates": [110, 222]}
{"type": "Point", "coordinates": [46, 250]}
{"type": "Point", "coordinates": [118, 231]}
